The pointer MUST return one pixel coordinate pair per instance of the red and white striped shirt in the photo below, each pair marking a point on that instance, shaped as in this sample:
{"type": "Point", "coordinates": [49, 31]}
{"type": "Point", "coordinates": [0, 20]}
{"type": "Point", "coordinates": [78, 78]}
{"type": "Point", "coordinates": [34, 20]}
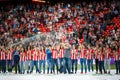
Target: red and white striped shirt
{"type": "Point", "coordinates": [44, 55]}
{"type": "Point", "coordinates": [108, 53]}
{"type": "Point", "coordinates": [119, 53]}
{"type": "Point", "coordinates": [97, 54]}
{"type": "Point", "coordinates": [29, 55]}
{"type": "Point", "coordinates": [2, 55]}
{"type": "Point", "coordinates": [61, 53]}
{"type": "Point", "coordinates": [40, 55]}
{"type": "Point", "coordinates": [101, 58]}
{"type": "Point", "coordinates": [54, 54]}
{"type": "Point", "coordinates": [89, 54]}
{"type": "Point", "coordinates": [9, 55]}
{"type": "Point", "coordinates": [83, 53]}
{"type": "Point", "coordinates": [92, 51]}
{"type": "Point", "coordinates": [22, 56]}
{"type": "Point", "coordinates": [116, 57]}
{"type": "Point", "coordinates": [35, 55]}
{"type": "Point", "coordinates": [74, 54]}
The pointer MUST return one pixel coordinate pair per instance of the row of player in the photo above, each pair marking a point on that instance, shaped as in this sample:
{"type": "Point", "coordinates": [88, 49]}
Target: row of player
{"type": "Point", "coordinates": [32, 56]}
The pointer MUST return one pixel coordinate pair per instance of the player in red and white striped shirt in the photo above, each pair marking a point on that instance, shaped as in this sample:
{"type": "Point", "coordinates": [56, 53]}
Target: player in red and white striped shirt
{"type": "Point", "coordinates": [29, 58]}
{"type": "Point", "coordinates": [9, 59]}
{"type": "Point", "coordinates": [101, 60]}
{"type": "Point", "coordinates": [116, 58]}
{"type": "Point", "coordinates": [89, 54]}
{"type": "Point", "coordinates": [74, 58]}
{"type": "Point", "coordinates": [55, 58]}
{"type": "Point", "coordinates": [22, 61]}
{"type": "Point", "coordinates": [119, 58]}
{"type": "Point", "coordinates": [3, 60]}
{"type": "Point", "coordinates": [61, 52]}
{"type": "Point", "coordinates": [41, 58]}
{"type": "Point", "coordinates": [35, 55]}
{"type": "Point", "coordinates": [0, 61]}
{"type": "Point", "coordinates": [61, 55]}
{"type": "Point", "coordinates": [96, 54]}
{"type": "Point", "coordinates": [107, 59]}
{"type": "Point", "coordinates": [83, 58]}
{"type": "Point", "coordinates": [34, 60]}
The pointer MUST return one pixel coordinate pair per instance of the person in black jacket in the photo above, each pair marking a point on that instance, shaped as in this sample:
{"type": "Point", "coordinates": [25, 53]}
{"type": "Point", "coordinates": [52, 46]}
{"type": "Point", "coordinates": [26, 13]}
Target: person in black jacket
{"type": "Point", "coordinates": [16, 59]}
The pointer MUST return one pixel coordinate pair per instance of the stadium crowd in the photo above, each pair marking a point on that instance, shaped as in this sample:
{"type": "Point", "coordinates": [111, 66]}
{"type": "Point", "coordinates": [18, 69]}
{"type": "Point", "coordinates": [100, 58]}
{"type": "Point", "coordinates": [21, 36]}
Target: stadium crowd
{"type": "Point", "coordinates": [84, 31]}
